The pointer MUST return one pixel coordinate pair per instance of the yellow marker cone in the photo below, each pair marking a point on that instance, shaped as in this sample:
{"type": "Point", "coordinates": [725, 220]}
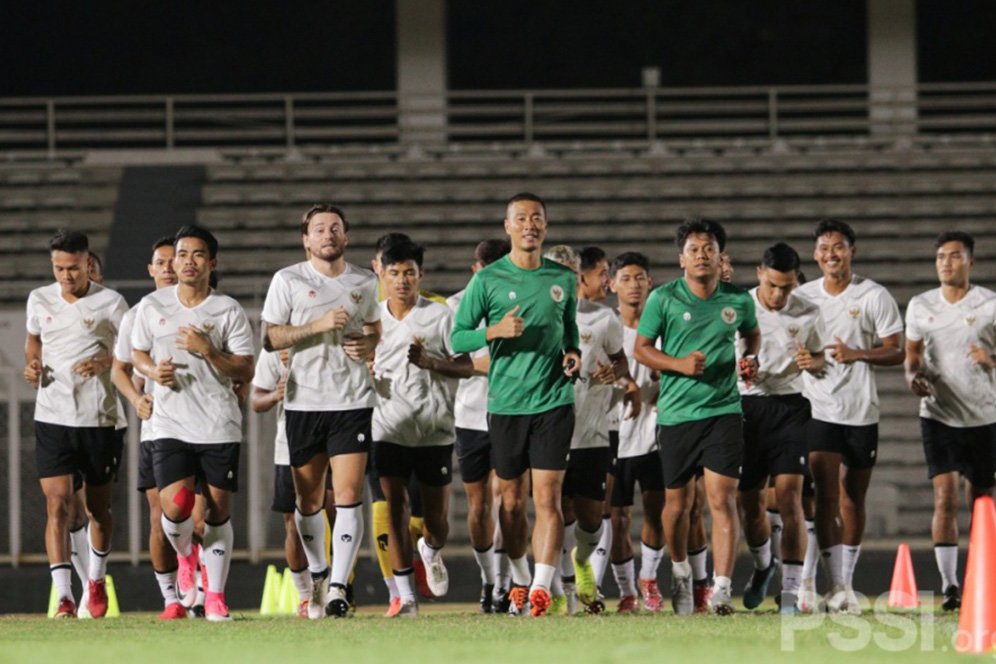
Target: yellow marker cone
{"type": "Point", "coordinates": [112, 599]}
{"type": "Point", "coordinates": [271, 592]}
{"type": "Point", "coordinates": [288, 594]}
{"type": "Point", "coordinates": [53, 602]}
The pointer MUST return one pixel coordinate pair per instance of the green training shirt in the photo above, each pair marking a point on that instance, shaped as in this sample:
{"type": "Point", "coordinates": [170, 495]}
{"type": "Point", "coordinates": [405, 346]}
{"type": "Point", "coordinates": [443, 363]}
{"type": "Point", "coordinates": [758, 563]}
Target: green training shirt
{"type": "Point", "coordinates": [686, 323]}
{"type": "Point", "coordinates": [527, 373]}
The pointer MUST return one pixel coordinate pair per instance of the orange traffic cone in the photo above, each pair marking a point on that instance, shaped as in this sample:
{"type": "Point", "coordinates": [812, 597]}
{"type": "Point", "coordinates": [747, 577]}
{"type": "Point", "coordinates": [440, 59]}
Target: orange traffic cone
{"type": "Point", "coordinates": [977, 622]}
{"type": "Point", "coordinates": [902, 592]}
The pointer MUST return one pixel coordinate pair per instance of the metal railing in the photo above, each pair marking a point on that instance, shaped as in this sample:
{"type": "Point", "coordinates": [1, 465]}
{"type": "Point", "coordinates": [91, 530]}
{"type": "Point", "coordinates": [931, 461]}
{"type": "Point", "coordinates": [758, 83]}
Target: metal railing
{"type": "Point", "coordinates": [522, 117]}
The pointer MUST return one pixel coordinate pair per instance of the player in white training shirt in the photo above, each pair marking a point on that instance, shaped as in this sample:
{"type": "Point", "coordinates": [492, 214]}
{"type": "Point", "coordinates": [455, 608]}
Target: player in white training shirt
{"type": "Point", "coordinates": [416, 375]}
{"type": "Point", "coordinates": [637, 459]}
{"type": "Point", "coordinates": [844, 430]}
{"type": "Point", "coordinates": [776, 416]}
{"type": "Point", "coordinates": [950, 364]}
{"type": "Point", "coordinates": [324, 310]}
{"type": "Point", "coordinates": [473, 451]}
{"type": "Point", "coordinates": [195, 344]}
{"type": "Point", "coordinates": [71, 327]}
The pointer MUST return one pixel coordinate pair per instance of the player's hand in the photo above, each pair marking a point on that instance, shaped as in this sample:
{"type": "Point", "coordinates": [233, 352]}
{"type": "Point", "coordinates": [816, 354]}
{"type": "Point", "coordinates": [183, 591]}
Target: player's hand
{"type": "Point", "coordinates": [981, 357]}
{"type": "Point", "coordinates": [747, 369]}
{"type": "Point", "coordinates": [509, 327]}
{"type": "Point", "coordinates": [278, 394]}
{"type": "Point", "coordinates": [334, 319]}
{"type": "Point", "coordinates": [571, 364]}
{"type": "Point", "coordinates": [33, 373]}
{"type": "Point", "coordinates": [632, 400]}
{"type": "Point", "coordinates": [285, 358]}
{"type": "Point", "coordinates": [804, 359]}
{"type": "Point", "coordinates": [604, 374]}
{"type": "Point", "coordinates": [192, 340]}
{"type": "Point", "coordinates": [920, 385]}
{"type": "Point", "coordinates": [358, 346]}
{"type": "Point", "coordinates": [842, 353]}
{"type": "Point", "coordinates": [143, 406]}
{"type": "Point", "coordinates": [165, 373]}
{"type": "Point", "coordinates": [92, 367]}
{"type": "Point", "coordinates": [692, 364]}
{"type": "Point", "coordinates": [241, 392]}
{"type": "Point", "coordinates": [418, 355]}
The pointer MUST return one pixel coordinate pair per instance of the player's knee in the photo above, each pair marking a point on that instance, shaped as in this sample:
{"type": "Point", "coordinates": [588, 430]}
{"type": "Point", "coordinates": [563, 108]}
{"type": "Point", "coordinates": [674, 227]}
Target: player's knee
{"type": "Point", "coordinates": [58, 505]}
{"type": "Point", "coordinates": [182, 504]}
{"type": "Point", "coordinates": [945, 502]}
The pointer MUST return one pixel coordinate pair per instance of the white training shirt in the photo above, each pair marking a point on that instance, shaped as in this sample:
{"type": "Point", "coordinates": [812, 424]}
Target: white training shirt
{"type": "Point", "coordinates": [471, 409]}
{"type": "Point", "coordinates": [799, 321]}
{"type": "Point", "coordinates": [414, 406]}
{"type": "Point", "coordinates": [322, 377]}
{"type": "Point", "coordinates": [122, 353]}
{"type": "Point", "coordinates": [71, 333]}
{"type": "Point", "coordinates": [846, 393]}
{"type": "Point", "coordinates": [639, 436]}
{"type": "Point", "coordinates": [203, 408]}
{"type": "Point", "coordinates": [269, 369]}
{"type": "Point", "coordinates": [601, 335]}
{"type": "Point", "coordinates": [964, 392]}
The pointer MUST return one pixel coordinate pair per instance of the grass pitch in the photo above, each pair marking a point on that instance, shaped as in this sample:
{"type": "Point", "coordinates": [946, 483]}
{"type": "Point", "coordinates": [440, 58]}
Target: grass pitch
{"type": "Point", "coordinates": [455, 634]}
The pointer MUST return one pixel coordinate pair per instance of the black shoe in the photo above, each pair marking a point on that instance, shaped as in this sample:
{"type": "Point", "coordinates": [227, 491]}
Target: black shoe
{"type": "Point", "coordinates": [952, 598]}
{"type": "Point", "coordinates": [501, 606]}
{"type": "Point", "coordinates": [487, 599]}
{"type": "Point", "coordinates": [196, 611]}
{"type": "Point", "coordinates": [338, 606]}
{"type": "Point", "coordinates": [350, 598]}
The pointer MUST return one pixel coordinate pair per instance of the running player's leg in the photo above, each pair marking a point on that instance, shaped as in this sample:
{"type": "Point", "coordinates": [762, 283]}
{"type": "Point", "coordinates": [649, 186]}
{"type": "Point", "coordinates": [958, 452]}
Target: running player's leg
{"type": "Point", "coordinates": [788, 496]}
{"type": "Point", "coordinates": [677, 505]}
{"type": "Point", "coordinates": [721, 492]}
{"type": "Point", "coordinates": [698, 548]}
{"type": "Point", "coordinates": [474, 457]}
{"type": "Point", "coordinates": [651, 543]}
{"type": "Point", "coordinates": [757, 533]}
{"type": "Point", "coordinates": [218, 545]}
{"type": "Point", "coordinates": [433, 472]}
{"type": "Point", "coordinates": [297, 562]}
{"type": "Point", "coordinates": [825, 468]}
{"type": "Point", "coordinates": [58, 491]}
{"type": "Point", "coordinates": [98, 502]}
{"type": "Point", "coordinates": [348, 471]}
{"type": "Point", "coordinates": [395, 490]}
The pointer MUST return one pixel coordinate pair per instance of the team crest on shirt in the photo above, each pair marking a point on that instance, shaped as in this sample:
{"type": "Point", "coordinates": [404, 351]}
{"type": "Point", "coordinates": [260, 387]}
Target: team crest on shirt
{"type": "Point", "coordinates": [686, 316]}
{"type": "Point", "coordinates": [854, 312]}
{"type": "Point", "coordinates": [512, 295]}
{"type": "Point", "coordinates": [162, 321]}
{"type": "Point", "coordinates": [970, 320]}
{"type": "Point", "coordinates": [557, 293]}
{"type": "Point", "coordinates": [48, 320]}
{"type": "Point", "coordinates": [312, 293]}
{"type": "Point", "coordinates": [586, 336]}
{"type": "Point", "coordinates": [208, 327]}
{"type": "Point", "coordinates": [729, 315]}
{"type": "Point", "coordinates": [88, 323]}
{"type": "Point", "coordinates": [793, 330]}
{"type": "Point", "coordinates": [356, 296]}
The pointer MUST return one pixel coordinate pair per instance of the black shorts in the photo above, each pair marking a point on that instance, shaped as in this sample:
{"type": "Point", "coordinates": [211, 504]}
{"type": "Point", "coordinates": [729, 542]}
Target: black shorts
{"type": "Point", "coordinates": [432, 465]}
{"type": "Point", "coordinates": [90, 453]}
{"type": "Point", "coordinates": [716, 443]}
{"type": "Point", "coordinates": [329, 432]}
{"type": "Point", "coordinates": [473, 451]}
{"type": "Point", "coordinates": [586, 470]}
{"type": "Point", "coordinates": [970, 451]}
{"type": "Point", "coordinates": [540, 440]}
{"type": "Point", "coordinates": [645, 469]}
{"type": "Point", "coordinates": [857, 444]}
{"type": "Point", "coordinates": [216, 464]}
{"type": "Point", "coordinates": [146, 474]}
{"type": "Point", "coordinates": [774, 438]}
{"type": "Point", "coordinates": [284, 495]}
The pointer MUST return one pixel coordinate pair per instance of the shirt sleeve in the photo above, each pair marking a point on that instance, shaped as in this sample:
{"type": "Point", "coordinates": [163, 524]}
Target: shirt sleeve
{"type": "Point", "coordinates": [913, 333]}
{"type": "Point", "coordinates": [750, 315]}
{"type": "Point", "coordinates": [277, 306]}
{"type": "Point", "coordinates": [238, 341]}
{"type": "Point", "coordinates": [122, 346]}
{"type": "Point", "coordinates": [267, 374]}
{"type": "Point", "coordinates": [141, 337]}
{"type": "Point", "coordinates": [572, 338]}
{"type": "Point", "coordinates": [466, 336]}
{"type": "Point", "coordinates": [652, 325]}
{"type": "Point", "coordinates": [445, 329]}
{"type": "Point", "coordinates": [886, 314]}
{"type": "Point", "coordinates": [371, 310]}
{"type": "Point", "coordinates": [32, 324]}
{"type": "Point", "coordinates": [614, 336]}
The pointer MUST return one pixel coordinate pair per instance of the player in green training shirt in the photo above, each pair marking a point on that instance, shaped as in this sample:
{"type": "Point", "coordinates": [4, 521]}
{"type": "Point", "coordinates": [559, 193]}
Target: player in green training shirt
{"type": "Point", "coordinates": [529, 305]}
{"type": "Point", "coordinates": [699, 417]}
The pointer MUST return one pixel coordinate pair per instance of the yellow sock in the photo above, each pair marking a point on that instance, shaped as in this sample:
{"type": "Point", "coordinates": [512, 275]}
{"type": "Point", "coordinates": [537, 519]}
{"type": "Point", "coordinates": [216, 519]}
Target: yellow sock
{"type": "Point", "coordinates": [381, 519]}
{"type": "Point", "coordinates": [328, 539]}
{"type": "Point", "coordinates": [415, 528]}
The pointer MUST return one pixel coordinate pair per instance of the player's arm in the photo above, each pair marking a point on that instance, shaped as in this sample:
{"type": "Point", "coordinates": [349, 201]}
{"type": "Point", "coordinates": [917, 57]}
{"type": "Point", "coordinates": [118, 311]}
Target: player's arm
{"type": "Point", "coordinates": [32, 360]}
{"type": "Point", "coordinates": [467, 335]}
{"type": "Point", "coordinates": [481, 364]}
{"type": "Point", "coordinates": [572, 338]}
{"type": "Point", "coordinates": [263, 400]}
{"type": "Point", "coordinates": [456, 366]}
{"type": "Point", "coordinates": [162, 372]}
{"type": "Point", "coordinates": [238, 368]}
{"type": "Point", "coordinates": [748, 366]}
{"type": "Point", "coordinates": [361, 347]}
{"type": "Point", "coordinates": [278, 337]}
{"type": "Point", "coordinates": [620, 371]}
{"type": "Point", "coordinates": [981, 356]}
{"type": "Point", "coordinates": [809, 360]}
{"type": "Point", "coordinates": [889, 354]}
{"type": "Point", "coordinates": [121, 376]}
{"type": "Point", "coordinates": [918, 382]}
{"type": "Point", "coordinates": [647, 354]}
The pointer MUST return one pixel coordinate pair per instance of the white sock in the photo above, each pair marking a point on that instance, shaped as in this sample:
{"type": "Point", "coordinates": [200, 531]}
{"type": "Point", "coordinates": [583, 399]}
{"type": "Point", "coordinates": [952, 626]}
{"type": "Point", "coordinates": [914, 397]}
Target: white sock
{"type": "Point", "coordinates": [302, 583]}
{"type": "Point", "coordinates": [520, 571]}
{"type": "Point", "coordinates": [570, 541]}
{"type": "Point", "coordinates": [791, 576]}
{"type": "Point", "coordinates": [947, 563]}
{"type": "Point", "coordinates": [722, 585]}
{"type": "Point", "coordinates": [624, 578]}
{"type": "Point", "coordinates": [486, 562]}
{"type": "Point", "coordinates": [761, 555]}
{"type": "Point", "coordinates": [62, 579]}
{"type": "Point", "coordinates": [403, 580]}
{"type": "Point", "coordinates": [775, 521]}
{"type": "Point", "coordinates": [429, 553]}
{"type": "Point", "coordinates": [544, 576]}
{"type": "Point", "coordinates": [600, 558]}
{"type": "Point", "coordinates": [681, 569]}
{"type": "Point", "coordinates": [587, 542]}
{"type": "Point", "coordinates": [311, 530]}
{"type": "Point", "coordinates": [347, 535]}
{"type": "Point", "coordinates": [219, 541]}
{"type": "Point", "coordinates": [98, 560]}
{"type": "Point", "coordinates": [851, 555]}
{"type": "Point", "coordinates": [812, 552]}
{"type": "Point", "coordinates": [392, 586]}
{"type": "Point", "coordinates": [80, 544]}
{"type": "Point", "coordinates": [167, 586]}
{"type": "Point", "coordinates": [650, 560]}
{"type": "Point", "coordinates": [557, 586]}
{"type": "Point", "coordinates": [180, 534]}
{"type": "Point", "coordinates": [201, 590]}
{"type": "Point", "coordinates": [503, 569]}
{"type": "Point", "coordinates": [697, 559]}
{"type": "Point", "coordinates": [833, 563]}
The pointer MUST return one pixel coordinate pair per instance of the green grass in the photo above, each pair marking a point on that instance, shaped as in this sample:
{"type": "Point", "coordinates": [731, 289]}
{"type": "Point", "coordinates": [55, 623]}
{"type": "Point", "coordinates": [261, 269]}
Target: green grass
{"type": "Point", "coordinates": [456, 635]}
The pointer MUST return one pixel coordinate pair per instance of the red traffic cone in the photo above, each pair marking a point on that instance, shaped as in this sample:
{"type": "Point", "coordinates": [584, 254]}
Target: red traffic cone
{"type": "Point", "coordinates": [902, 592]}
{"type": "Point", "coordinates": [977, 622]}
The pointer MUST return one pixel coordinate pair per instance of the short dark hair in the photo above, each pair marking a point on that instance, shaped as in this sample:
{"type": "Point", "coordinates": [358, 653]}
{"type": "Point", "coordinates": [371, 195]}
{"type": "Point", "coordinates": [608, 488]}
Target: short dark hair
{"type": "Point", "coordinates": [96, 259]}
{"type": "Point", "coordinates": [526, 196]}
{"type": "Point", "coordinates": [781, 257]}
{"type": "Point", "coordinates": [319, 208]}
{"type": "Point", "coordinates": [201, 233]}
{"type": "Point", "coordinates": [628, 258]}
{"type": "Point", "coordinates": [388, 239]}
{"type": "Point", "coordinates": [164, 241]}
{"type": "Point", "coordinates": [402, 252]}
{"type": "Point", "coordinates": [700, 225]}
{"type": "Point", "coordinates": [71, 242]}
{"type": "Point", "coordinates": [590, 256]}
{"type": "Point", "coordinates": [834, 226]}
{"type": "Point", "coordinates": [488, 251]}
{"type": "Point", "coordinates": [956, 236]}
